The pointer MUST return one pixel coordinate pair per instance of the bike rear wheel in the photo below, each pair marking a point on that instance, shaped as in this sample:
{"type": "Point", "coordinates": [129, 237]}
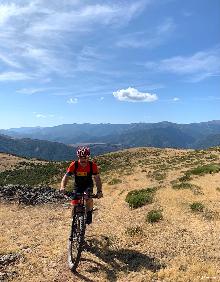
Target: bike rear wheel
{"type": "Point", "coordinates": [76, 240]}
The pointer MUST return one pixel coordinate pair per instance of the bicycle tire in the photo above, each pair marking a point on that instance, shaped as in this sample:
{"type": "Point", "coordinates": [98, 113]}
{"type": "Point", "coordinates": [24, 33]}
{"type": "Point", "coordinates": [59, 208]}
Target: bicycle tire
{"type": "Point", "coordinates": [76, 240]}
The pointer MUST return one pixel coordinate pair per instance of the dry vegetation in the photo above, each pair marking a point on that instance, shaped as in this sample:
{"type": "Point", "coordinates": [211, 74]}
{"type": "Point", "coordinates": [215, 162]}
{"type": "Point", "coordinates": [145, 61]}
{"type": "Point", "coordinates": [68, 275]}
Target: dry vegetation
{"type": "Point", "coordinates": [121, 244]}
{"type": "Point", "coordinates": [10, 161]}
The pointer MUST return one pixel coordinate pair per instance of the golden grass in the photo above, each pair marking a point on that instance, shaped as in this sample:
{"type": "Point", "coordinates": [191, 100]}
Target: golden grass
{"type": "Point", "coordinates": [184, 246]}
{"type": "Point", "coordinates": [8, 161]}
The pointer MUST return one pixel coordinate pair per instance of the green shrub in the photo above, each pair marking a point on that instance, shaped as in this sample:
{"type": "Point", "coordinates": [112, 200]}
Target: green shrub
{"type": "Point", "coordinates": [154, 216]}
{"type": "Point", "coordinates": [184, 178]}
{"type": "Point", "coordinates": [197, 207]}
{"type": "Point", "coordinates": [182, 185]}
{"type": "Point", "coordinates": [159, 175]}
{"type": "Point", "coordinates": [134, 230]}
{"type": "Point", "coordinates": [200, 170]}
{"type": "Point", "coordinates": [139, 198]}
{"type": "Point", "coordinates": [34, 174]}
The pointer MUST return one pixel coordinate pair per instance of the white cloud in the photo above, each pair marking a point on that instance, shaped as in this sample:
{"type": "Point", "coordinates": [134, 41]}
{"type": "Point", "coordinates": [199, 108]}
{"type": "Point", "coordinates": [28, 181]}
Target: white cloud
{"type": "Point", "coordinates": [30, 91]}
{"type": "Point", "coordinates": [40, 116]}
{"type": "Point", "coordinates": [133, 95]}
{"type": "Point", "coordinates": [150, 39]}
{"type": "Point", "coordinates": [72, 101]}
{"type": "Point", "coordinates": [176, 99]}
{"type": "Point", "coordinates": [14, 76]}
{"type": "Point", "coordinates": [8, 11]}
{"type": "Point", "coordinates": [197, 67]}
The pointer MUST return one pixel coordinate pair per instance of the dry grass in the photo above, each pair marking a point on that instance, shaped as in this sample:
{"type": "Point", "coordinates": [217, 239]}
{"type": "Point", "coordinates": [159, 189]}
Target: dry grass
{"type": "Point", "coordinates": [8, 161]}
{"type": "Point", "coordinates": [184, 246]}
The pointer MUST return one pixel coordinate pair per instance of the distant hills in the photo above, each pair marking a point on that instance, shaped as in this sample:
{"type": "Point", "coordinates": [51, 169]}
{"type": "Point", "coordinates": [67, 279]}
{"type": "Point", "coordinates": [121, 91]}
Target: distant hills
{"type": "Point", "coordinates": [35, 148]}
{"type": "Point", "coordinates": [47, 150]}
{"type": "Point", "coordinates": [34, 141]}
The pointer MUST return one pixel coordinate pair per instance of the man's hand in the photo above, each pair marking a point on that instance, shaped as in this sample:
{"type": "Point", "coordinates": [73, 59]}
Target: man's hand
{"type": "Point", "coordinates": [99, 194]}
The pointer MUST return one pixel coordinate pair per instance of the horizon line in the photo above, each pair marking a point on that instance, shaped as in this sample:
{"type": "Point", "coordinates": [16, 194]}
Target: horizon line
{"type": "Point", "coordinates": [107, 123]}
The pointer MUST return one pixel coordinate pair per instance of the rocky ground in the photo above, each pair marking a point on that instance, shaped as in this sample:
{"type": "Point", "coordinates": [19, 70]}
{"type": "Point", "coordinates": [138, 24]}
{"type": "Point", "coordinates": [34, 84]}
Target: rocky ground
{"type": "Point", "coordinates": [24, 194]}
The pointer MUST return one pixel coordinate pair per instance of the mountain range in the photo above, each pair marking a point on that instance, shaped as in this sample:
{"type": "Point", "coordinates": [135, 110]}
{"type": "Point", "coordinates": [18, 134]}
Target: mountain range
{"type": "Point", "coordinates": [56, 143]}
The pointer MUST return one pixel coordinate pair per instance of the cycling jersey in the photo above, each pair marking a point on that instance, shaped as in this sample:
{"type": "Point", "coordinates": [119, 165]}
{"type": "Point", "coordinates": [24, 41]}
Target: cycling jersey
{"type": "Point", "coordinates": [83, 175]}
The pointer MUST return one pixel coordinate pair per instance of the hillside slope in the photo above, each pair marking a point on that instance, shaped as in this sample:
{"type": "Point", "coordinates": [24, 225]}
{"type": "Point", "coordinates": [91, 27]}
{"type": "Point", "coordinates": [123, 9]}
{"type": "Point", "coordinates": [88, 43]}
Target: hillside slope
{"type": "Point", "coordinates": [122, 245]}
{"type": "Point", "coordinates": [47, 150]}
{"type": "Point", "coordinates": [35, 148]}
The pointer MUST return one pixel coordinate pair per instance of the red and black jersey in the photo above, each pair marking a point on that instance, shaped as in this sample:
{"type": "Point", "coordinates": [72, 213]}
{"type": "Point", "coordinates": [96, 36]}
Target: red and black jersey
{"type": "Point", "coordinates": [83, 175]}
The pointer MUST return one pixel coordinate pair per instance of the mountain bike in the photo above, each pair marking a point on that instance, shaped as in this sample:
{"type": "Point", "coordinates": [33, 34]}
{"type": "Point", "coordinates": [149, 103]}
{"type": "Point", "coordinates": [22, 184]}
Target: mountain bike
{"type": "Point", "coordinates": [78, 227]}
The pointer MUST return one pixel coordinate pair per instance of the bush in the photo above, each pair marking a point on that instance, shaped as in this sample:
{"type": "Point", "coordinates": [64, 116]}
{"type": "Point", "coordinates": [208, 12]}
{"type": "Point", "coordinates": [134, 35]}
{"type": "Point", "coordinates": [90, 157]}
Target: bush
{"type": "Point", "coordinates": [200, 170]}
{"type": "Point", "coordinates": [182, 185]}
{"type": "Point", "coordinates": [154, 216]}
{"type": "Point", "coordinates": [184, 178]}
{"type": "Point", "coordinates": [139, 198]}
{"type": "Point", "coordinates": [197, 207]}
{"type": "Point", "coordinates": [33, 174]}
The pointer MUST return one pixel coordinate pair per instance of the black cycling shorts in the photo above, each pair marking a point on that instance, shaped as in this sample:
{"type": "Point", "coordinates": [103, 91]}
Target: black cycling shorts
{"type": "Point", "coordinates": [82, 189]}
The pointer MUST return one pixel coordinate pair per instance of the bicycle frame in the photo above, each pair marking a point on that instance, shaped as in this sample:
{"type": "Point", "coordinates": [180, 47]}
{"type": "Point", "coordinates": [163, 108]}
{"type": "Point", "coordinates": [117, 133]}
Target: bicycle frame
{"type": "Point", "coordinates": [78, 227]}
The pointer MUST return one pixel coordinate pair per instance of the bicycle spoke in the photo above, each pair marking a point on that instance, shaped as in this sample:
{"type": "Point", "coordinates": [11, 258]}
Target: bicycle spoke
{"type": "Point", "coordinates": [76, 241]}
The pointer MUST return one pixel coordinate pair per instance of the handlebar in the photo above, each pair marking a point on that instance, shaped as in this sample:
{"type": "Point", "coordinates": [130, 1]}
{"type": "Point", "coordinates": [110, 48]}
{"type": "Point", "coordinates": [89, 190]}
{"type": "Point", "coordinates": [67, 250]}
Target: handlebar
{"type": "Point", "coordinates": [79, 195]}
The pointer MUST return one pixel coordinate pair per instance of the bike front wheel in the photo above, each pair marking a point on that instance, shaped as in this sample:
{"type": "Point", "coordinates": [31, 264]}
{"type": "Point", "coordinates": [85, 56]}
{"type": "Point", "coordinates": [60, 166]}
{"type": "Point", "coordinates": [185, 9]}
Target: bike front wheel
{"type": "Point", "coordinates": [76, 240]}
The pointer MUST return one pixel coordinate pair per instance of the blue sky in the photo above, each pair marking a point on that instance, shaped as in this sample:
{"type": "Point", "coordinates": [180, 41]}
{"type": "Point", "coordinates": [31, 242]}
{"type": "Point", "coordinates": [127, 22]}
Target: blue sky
{"type": "Point", "coordinates": [74, 61]}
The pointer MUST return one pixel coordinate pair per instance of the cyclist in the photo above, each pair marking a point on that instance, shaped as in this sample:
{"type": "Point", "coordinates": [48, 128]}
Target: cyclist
{"type": "Point", "coordinates": [83, 170]}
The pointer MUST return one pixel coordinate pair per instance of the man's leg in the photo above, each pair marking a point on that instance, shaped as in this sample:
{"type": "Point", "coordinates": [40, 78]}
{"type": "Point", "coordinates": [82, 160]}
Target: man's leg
{"type": "Point", "coordinates": [89, 208]}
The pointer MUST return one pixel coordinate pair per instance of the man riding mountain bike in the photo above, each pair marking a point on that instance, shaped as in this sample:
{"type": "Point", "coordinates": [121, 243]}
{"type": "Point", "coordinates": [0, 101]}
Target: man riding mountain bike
{"type": "Point", "coordinates": [83, 170]}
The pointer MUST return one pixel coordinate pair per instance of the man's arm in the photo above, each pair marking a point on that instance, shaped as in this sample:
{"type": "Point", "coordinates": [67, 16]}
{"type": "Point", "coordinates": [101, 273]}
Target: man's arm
{"type": "Point", "coordinates": [98, 183]}
{"type": "Point", "coordinates": [64, 182]}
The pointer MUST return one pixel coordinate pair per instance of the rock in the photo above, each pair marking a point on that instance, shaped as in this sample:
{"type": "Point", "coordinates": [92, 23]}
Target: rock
{"type": "Point", "coordinates": [27, 195]}
{"type": "Point", "coordinates": [8, 259]}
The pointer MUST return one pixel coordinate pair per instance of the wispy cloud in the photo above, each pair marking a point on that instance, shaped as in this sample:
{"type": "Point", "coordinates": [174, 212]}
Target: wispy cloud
{"type": "Point", "coordinates": [133, 95]}
{"type": "Point", "coordinates": [148, 39]}
{"type": "Point", "coordinates": [40, 36]}
{"type": "Point", "coordinates": [8, 61]}
{"type": "Point", "coordinates": [83, 17]}
{"type": "Point", "coordinates": [51, 90]}
{"type": "Point", "coordinates": [40, 116]}
{"type": "Point", "coordinates": [30, 91]}
{"type": "Point", "coordinates": [72, 101]}
{"type": "Point", "coordinates": [43, 116]}
{"type": "Point", "coordinates": [14, 76]}
{"type": "Point", "coordinates": [195, 68]}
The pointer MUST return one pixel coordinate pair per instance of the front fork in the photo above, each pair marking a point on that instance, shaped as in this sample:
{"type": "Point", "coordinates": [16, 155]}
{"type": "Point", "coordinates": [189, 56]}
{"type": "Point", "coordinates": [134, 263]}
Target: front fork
{"type": "Point", "coordinates": [78, 222]}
